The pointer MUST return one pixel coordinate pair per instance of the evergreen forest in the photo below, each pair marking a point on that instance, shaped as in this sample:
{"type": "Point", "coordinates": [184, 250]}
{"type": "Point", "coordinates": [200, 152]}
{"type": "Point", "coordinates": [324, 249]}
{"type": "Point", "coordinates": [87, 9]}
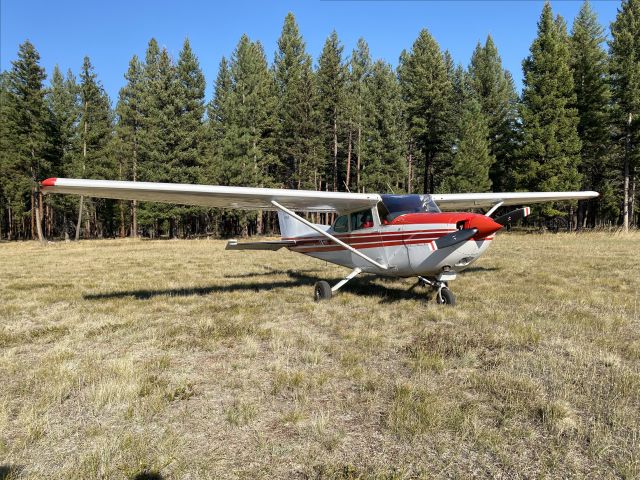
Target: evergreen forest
{"type": "Point", "coordinates": [341, 122]}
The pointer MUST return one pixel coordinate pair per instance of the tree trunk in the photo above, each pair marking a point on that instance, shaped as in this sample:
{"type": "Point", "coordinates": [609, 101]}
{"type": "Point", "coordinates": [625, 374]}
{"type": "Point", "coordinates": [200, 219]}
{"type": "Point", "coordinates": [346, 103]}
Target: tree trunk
{"type": "Point", "coordinates": [172, 228]}
{"type": "Point", "coordinates": [358, 166]}
{"type": "Point", "coordinates": [79, 224]}
{"type": "Point", "coordinates": [627, 154]}
{"type": "Point", "coordinates": [33, 221]}
{"type": "Point", "coordinates": [409, 173]}
{"type": "Point", "coordinates": [10, 226]}
{"type": "Point", "coordinates": [335, 152]}
{"type": "Point", "coordinates": [259, 223]}
{"type": "Point", "coordinates": [49, 221]}
{"type": "Point", "coordinates": [348, 161]}
{"type": "Point", "coordinates": [38, 215]}
{"type": "Point", "coordinates": [134, 206]}
{"type": "Point", "coordinates": [427, 173]}
{"type": "Point", "coordinates": [632, 195]}
{"type": "Point", "coordinates": [123, 232]}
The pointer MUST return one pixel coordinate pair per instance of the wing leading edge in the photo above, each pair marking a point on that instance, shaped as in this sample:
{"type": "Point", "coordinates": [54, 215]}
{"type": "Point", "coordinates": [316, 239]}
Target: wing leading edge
{"type": "Point", "coordinates": [461, 201]}
{"type": "Point", "coordinates": [246, 198]}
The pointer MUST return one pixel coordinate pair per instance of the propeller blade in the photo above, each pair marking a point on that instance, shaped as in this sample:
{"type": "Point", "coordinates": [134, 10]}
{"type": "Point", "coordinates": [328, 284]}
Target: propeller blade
{"type": "Point", "coordinates": [453, 238]}
{"type": "Point", "coordinates": [513, 216]}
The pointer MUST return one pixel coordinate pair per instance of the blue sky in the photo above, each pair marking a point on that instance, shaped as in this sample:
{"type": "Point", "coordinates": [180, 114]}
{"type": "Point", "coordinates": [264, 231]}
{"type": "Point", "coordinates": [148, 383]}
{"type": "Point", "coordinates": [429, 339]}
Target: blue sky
{"type": "Point", "coordinates": [111, 32]}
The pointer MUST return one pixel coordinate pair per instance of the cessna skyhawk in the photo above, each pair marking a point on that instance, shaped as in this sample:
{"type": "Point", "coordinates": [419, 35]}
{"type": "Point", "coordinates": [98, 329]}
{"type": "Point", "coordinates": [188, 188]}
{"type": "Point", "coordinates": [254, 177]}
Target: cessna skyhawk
{"type": "Point", "coordinates": [390, 235]}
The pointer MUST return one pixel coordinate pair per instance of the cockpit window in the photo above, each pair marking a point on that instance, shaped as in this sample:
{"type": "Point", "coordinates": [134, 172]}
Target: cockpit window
{"type": "Point", "coordinates": [398, 205]}
{"type": "Point", "coordinates": [341, 225]}
{"type": "Point", "coordinates": [362, 219]}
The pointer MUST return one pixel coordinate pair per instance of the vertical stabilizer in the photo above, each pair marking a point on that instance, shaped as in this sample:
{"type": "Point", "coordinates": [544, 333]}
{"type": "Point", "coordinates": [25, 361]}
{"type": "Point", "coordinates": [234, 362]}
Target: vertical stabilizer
{"type": "Point", "coordinates": [292, 228]}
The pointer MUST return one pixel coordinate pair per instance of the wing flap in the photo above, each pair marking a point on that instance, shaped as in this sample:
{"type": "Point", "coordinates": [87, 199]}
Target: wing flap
{"type": "Point", "coordinates": [246, 198]}
{"type": "Point", "coordinates": [460, 201]}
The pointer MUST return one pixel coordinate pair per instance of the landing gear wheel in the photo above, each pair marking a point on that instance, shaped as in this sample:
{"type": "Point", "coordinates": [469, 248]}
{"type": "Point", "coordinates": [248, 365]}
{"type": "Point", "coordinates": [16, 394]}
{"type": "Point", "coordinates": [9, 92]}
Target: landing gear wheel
{"type": "Point", "coordinates": [321, 291]}
{"type": "Point", "coordinates": [445, 297]}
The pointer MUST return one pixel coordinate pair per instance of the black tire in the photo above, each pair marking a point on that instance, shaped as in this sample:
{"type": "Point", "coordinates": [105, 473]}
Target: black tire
{"type": "Point", "coordinates": [321, 291]}
{"type": "Point", "coordinates": [446, 297]}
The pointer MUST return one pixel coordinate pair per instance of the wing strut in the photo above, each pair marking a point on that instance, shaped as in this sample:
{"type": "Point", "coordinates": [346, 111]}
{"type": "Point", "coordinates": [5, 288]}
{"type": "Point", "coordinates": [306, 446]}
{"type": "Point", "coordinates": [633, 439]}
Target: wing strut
{"type": "Point", "coordinates": [328, 235]}
{"type": "Point", "coordinates": [494, 208]}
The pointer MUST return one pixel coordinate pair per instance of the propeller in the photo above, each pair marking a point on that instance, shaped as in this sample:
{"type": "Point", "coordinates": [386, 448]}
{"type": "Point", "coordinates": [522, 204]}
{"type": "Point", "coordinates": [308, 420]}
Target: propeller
{"type": "Point", "coordinates": [513, 216]}
{"type": "Point", "coordinates": [453, 238]}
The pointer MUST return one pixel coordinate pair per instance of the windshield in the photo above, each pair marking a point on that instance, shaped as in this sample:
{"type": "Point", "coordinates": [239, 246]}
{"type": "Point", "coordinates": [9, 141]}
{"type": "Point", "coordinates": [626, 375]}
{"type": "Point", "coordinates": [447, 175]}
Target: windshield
{"type": "Point", "coordinates": [398, 205]}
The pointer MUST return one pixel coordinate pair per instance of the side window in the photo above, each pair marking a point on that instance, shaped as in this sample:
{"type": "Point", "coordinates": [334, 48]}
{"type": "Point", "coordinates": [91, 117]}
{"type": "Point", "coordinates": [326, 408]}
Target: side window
{"type": "Point", "coordinates": [362, 219]}
{"type": "Point", "coordinates": [341, 225]}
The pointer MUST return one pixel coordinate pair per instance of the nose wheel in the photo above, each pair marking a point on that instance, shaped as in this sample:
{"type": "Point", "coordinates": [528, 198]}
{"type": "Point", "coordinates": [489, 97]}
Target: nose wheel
{"type": "Point", "coordinates": [444, 296]}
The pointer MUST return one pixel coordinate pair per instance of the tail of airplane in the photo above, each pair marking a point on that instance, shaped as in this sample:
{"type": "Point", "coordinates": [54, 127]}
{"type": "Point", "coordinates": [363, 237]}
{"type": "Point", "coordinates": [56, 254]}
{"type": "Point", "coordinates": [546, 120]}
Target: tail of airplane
{"type": "Point", "coordinates": [291, 228]}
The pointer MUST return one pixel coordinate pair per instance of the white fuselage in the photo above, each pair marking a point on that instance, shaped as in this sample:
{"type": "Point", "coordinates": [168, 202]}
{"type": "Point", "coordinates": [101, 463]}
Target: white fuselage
{"type": "Point", "coordinates": [404, 248]}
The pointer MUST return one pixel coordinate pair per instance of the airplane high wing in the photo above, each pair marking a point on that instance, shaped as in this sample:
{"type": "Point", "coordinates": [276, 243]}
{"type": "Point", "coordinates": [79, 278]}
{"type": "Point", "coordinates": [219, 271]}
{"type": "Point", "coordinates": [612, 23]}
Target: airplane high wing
{"type": "Point", "coordinates": [245, 198]}
{"type": "Point", "coordinates": [462, 201]}
{"type": "Point", "coordinates": [248, 198]}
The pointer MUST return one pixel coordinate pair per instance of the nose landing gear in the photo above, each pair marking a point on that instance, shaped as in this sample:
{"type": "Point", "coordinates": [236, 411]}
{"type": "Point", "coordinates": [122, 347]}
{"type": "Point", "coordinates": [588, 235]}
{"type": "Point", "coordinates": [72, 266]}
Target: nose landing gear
{"type": "Point", "coordinates": [444, 296]}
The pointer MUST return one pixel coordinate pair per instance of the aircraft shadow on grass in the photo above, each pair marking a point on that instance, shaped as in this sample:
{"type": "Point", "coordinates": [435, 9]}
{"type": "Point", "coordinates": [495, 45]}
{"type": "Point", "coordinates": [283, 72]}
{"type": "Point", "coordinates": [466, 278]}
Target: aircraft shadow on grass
{"type": "Point", "coordinates": [147, 475]}
{"type": "Point", "coordinates": [10, 471]}
{"type": "Point", "coordinates": [385, 288]}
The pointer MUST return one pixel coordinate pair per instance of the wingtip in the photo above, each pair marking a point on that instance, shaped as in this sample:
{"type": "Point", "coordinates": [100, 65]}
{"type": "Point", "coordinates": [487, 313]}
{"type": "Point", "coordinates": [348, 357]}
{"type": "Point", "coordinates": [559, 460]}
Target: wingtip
{"type": "Point", "coordinates": [49, 182]}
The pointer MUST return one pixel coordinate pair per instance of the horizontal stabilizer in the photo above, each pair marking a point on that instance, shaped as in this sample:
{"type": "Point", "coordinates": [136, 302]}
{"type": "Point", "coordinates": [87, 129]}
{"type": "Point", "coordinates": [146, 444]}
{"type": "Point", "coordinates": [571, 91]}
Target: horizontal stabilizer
{"type": "Point", "coordinates": [270, 245]}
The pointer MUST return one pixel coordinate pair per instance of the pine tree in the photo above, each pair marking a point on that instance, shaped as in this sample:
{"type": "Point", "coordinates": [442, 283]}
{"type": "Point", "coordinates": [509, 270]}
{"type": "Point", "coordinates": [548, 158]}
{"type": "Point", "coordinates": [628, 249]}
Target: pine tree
{"type": "Point", "coordinates": [218, 112]}
{"type": "Point", "coordinates": [426, 89]}
{"type": "Point", "coordinates": [550, 152]}
{"type": "Point", "coordinates": [93, 157]}
{"type": "Point", "coordinates": [128, 131]}
{"type": "Point", "coordinates": [625, 82]}
{"type": "Point", "coordinates": [590, 73]}
{"type": "Point", "coordinates": [6, 220]}
{"type": "Point", "coordinates": [495, 90]}
{"type": "Point", "coordinates": [331, 90]}
{"type": "Point", "coordinates": [471, 158]}
{"type": "Point", "coordinates": [63, 103]}
{"type": "Point", "coordinates": [26, 133]}
{"type": "Point", "coordinates": [190, 116]}
{"type": "Point", "coordinates": [383, 137]}
{"type": "Point", "coordinates": [359, 108]}
{"type": "Point", "coordinates": [247, 148]}
{"type": "Point", "coordinates": [159, 135]}
{"type": "Point", "coordinates": [297, 121]}
{"type": "Point", "coordinates": [187, 160]}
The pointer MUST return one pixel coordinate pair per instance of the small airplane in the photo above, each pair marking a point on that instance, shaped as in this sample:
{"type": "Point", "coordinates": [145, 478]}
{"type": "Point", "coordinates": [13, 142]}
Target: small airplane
{"type": "Point", "coordinates": [381, 234]}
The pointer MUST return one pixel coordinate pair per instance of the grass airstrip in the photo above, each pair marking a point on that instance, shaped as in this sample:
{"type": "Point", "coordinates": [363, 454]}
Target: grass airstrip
{"type": "Point", "coordinates": [176, 359]}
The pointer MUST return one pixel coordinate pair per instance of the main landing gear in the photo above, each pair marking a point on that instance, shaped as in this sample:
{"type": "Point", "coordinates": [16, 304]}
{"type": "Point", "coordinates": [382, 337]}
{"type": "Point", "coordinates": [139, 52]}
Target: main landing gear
{"type": "Point", "coordinates": [323, 291]}
{"type": "Point", "coordinates": [444, 296]}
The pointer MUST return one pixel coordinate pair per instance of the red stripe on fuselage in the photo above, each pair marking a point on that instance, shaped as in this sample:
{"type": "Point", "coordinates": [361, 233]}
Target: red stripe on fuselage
{"type": "Point", "coordinates": [343, 236]}
{"type": "Point", "coordinates": [376, 237]}
{"type": "Point", "coordinates": [335, 248]}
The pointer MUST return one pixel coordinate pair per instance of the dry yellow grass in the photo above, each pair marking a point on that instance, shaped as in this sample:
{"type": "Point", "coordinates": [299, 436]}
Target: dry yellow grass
{"type": "Point", "coordinates": [176, 359]}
